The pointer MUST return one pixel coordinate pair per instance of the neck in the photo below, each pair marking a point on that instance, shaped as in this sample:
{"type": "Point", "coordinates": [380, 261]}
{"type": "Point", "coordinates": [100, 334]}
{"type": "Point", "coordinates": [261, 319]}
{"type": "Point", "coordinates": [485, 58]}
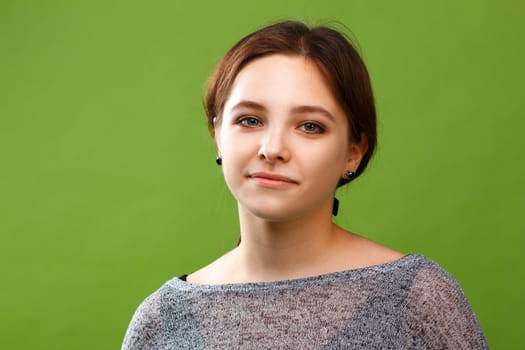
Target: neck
{"type": "Point", "coordinates": [283, 250]}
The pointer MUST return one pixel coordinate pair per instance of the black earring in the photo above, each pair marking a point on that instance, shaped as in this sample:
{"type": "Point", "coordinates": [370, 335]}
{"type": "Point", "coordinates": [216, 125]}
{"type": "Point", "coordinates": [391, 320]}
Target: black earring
{"type": "Point", "coordinates": [335, 207]}
{"type": "Point", "coordinates": [218, 160]}
{"type": "Point", "coordinates": [349, 174]}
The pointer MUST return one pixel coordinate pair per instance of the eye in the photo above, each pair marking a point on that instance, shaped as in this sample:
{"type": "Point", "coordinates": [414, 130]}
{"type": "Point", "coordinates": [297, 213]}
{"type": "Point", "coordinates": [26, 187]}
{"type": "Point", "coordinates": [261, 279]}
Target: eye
{"type": "Point", "coordinates": [249, 122]}
{"type": "Point", "coordinates": [311, 128]}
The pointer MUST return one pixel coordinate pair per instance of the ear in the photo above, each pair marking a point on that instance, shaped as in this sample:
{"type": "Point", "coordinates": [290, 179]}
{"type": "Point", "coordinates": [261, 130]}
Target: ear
{"type": "Point", "coordinates": [217, 135]}
{"type": "Point", "coordinates": [356, 152]}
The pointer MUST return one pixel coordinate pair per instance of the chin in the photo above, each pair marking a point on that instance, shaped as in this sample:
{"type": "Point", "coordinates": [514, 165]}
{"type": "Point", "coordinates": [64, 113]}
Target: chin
{"type": "Point", "coordinates": [274, 207]}
{"type": "Point", "coordinates": [277, 214]}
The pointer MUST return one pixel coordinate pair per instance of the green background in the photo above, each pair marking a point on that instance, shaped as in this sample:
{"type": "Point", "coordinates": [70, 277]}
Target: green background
{"type": "Point", "coordinates": [108, 185]}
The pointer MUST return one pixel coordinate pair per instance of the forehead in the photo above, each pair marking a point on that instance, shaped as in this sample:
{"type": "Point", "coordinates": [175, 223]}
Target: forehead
{"type": "Point", "coordinates": [283, 80]}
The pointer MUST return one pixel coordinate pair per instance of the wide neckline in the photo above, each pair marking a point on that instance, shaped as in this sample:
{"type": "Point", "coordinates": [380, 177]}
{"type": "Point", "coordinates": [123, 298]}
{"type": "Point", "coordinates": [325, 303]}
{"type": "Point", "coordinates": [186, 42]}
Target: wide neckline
{"type": "Point", "coordinates": [309, 280]}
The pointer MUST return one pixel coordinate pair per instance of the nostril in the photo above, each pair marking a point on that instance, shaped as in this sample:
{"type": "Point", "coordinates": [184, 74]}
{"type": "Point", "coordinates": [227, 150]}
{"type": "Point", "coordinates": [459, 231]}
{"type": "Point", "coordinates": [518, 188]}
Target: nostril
{"type": "Point", "coordinates": [273, 147]}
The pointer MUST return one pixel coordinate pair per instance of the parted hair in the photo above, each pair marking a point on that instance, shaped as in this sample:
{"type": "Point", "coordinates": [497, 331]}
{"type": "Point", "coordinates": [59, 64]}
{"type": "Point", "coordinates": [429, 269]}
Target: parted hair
{"type": "Point", "coordinates": [330, 50]}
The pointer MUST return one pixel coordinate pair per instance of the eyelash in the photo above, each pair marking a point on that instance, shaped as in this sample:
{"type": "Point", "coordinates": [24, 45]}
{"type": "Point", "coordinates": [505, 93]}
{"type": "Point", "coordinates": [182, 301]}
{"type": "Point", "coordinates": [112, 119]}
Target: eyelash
{"type": "Point", "coordinates": [243, 121]}
{"type": "Point", "coordinates": [319, 128]}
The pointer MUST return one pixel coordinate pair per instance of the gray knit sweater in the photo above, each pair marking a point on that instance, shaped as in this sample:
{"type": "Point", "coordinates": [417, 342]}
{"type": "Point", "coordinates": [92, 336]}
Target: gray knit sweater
{"type": "Point", "coordinates": [411, 303]}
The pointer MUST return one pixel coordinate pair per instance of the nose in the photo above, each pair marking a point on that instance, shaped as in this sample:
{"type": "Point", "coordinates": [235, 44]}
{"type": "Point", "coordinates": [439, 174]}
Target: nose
{"type": "Point", "coordinates": [274, 146]}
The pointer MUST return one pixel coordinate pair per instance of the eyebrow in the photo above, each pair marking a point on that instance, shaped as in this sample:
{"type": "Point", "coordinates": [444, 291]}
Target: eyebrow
{"type": "Point", "coordinates": [250, 105]}
{"type": "Point", "coordinates": [306, 109]}
{"type": "Point", "coordinates": [313, 110]}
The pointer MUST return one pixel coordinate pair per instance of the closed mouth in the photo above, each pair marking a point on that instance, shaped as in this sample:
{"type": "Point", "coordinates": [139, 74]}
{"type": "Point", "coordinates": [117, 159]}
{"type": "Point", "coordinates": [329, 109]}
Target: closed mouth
{"type": "Point", "coordinates": [272, 177]}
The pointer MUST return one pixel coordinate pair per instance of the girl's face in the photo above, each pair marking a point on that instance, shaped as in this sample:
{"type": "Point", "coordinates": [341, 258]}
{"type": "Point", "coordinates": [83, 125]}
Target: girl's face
{"type": "Point", "coordinates": [284, 139]}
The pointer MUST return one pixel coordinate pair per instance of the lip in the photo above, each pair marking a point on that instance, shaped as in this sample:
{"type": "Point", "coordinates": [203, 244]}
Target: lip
{"type": "Point", "coordinates": [271, 180]}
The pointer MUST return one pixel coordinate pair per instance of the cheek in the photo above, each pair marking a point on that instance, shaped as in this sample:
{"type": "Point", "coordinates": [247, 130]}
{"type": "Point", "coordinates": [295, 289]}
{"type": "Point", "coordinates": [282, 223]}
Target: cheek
{"type": "Point", "coordinates": [234, 145]}
{"type": "Point", "coordinates": [328, 157]}
{"type": "Point", "coordinates": [236, 153]}
{"type": "Point", "coordinates": [327, 174]}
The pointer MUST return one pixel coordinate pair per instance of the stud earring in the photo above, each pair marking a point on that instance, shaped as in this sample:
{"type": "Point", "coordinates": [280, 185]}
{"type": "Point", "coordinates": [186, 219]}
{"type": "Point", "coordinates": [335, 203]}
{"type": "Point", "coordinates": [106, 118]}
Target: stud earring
{"type": "Point", "coordinates": [218, 160]}
{"type": "Point", "coordinates": [348, 175]}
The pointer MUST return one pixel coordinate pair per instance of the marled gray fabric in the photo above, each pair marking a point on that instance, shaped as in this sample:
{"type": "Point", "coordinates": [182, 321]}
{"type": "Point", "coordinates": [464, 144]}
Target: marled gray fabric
{"type": "Point", "coordinates": [411, 303]}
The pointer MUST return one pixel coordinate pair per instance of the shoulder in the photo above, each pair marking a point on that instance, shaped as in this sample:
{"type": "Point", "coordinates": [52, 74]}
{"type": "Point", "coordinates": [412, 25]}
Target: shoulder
{"type": "Point", "coordinates": [432, 285]}
{"type": "Point", "coordinates": [431, 280]}
{"type": "Point", "coordinates": [144, 330]}
{"type": "Point", "coordinates": [163, 318]}
{"type": "Point", "coordinates": [438, 314]}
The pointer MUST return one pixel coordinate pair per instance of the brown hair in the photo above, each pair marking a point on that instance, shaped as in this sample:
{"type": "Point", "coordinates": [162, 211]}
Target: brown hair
{"type": "Point", "coordinates": [330, 50]}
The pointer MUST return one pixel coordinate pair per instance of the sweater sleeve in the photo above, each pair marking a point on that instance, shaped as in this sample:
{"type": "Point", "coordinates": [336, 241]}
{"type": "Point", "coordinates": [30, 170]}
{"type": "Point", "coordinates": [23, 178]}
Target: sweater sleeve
{"type": "Point", "coordinates": [144, 329]}
{"type": "Point", "coordinates": [438, 315]}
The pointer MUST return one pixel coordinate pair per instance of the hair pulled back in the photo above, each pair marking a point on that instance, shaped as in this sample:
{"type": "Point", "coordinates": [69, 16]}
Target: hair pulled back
{"type": "Point", "coordinates": [333, 54]}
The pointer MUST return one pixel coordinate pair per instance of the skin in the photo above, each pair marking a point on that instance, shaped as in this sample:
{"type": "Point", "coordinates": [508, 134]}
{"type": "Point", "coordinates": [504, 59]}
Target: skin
{"type": "Point", "coordinates": [285, 144]}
